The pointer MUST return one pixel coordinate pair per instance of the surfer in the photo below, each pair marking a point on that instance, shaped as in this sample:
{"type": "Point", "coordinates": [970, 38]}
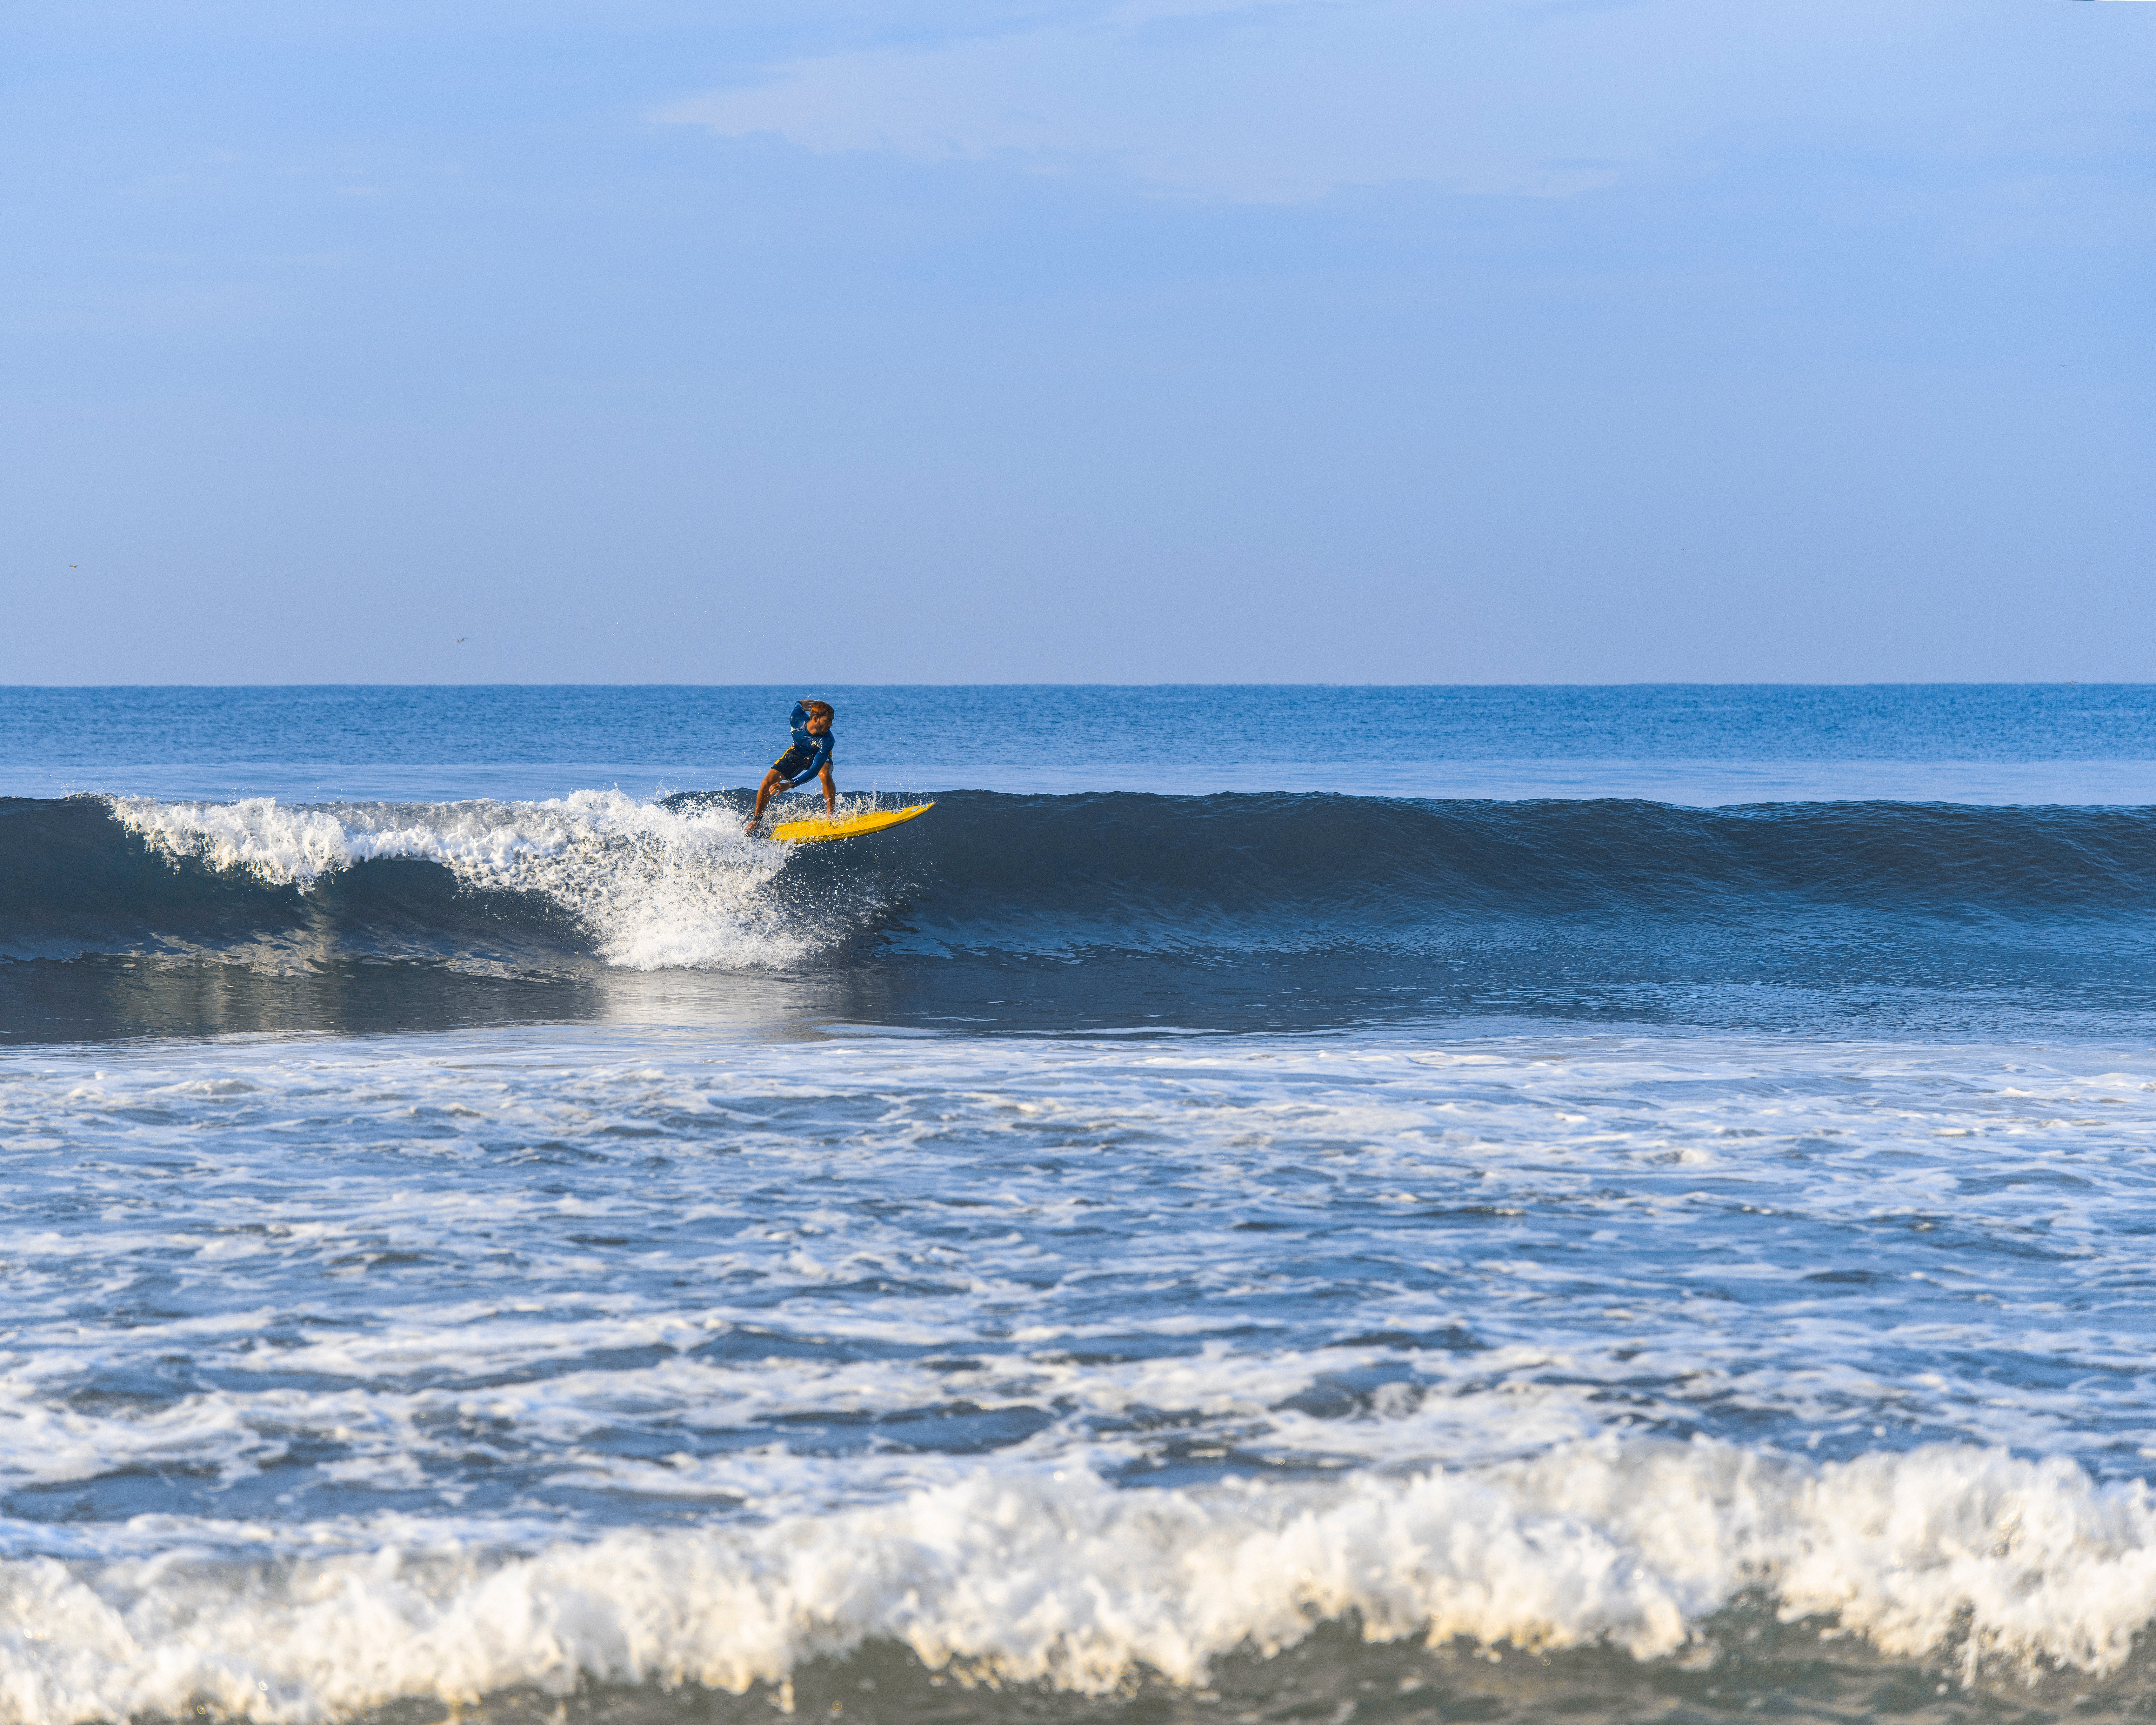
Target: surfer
{"type": "Point", "coordinates": [809, 758]}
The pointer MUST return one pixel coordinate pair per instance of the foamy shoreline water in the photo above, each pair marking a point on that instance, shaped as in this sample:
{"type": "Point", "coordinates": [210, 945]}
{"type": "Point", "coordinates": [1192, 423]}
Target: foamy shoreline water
{"type": "Point", "coordinates": [344, 1371]}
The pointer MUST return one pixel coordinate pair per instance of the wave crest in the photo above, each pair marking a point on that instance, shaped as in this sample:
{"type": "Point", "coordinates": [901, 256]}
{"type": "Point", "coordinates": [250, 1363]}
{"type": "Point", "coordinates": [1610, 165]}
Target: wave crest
{"type": "Point", "coordinates": [1971, 1554]}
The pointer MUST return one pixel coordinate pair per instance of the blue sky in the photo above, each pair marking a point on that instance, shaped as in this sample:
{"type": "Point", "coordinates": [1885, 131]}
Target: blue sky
{"type": "Point", "coordinates": [1349, 340]}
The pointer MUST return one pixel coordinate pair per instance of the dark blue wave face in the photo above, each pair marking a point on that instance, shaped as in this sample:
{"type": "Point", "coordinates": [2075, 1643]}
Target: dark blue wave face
{"type": "Point", "coordinates": [1126, 911]}
{"type": "Point", "coordinates": [1158, 867]}
{"type": "Point", "coordinates": [1291, 910]}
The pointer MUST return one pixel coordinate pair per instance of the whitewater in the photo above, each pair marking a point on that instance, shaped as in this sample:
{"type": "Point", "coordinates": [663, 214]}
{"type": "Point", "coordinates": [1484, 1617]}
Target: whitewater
{"type": "Point", "coordinates": [1127, 1252]}
{"type": "Point", "coordinates": [653, 886]}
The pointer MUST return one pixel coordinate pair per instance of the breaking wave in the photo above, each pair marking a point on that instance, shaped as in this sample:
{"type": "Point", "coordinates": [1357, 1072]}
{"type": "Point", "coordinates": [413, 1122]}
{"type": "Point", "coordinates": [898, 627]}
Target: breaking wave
{"type": "Point", "coordinates": [642, 885]}
{"type": "Point", "coordinates": [1978, 1562]}
{"type": "Point", "coordinates": [676, 882]}
{"type": "Point", "coordinates": [1264, 909]}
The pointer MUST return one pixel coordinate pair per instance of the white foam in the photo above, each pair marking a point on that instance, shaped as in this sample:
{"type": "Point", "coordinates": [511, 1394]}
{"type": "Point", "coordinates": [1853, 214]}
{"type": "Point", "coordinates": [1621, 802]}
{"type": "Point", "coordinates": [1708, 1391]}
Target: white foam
{"type": "Point", "coordinates": [807, 1190]}
{"type": "Point", "coordinates": [1058, 1577]}
{"type": "Point", "coordinates": [658, 887]}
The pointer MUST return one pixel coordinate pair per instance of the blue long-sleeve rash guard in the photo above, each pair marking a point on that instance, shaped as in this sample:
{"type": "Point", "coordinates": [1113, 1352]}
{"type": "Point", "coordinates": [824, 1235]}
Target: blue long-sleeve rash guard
{"type": "Point", "coordinates": [818, 748]}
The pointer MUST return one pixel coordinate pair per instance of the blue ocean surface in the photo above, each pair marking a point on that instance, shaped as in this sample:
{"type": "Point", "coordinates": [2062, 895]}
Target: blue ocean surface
{"type": "Point", "coordinates": [1705, 744]}
{"type": "Point", "coordinates": [1279, 1203]}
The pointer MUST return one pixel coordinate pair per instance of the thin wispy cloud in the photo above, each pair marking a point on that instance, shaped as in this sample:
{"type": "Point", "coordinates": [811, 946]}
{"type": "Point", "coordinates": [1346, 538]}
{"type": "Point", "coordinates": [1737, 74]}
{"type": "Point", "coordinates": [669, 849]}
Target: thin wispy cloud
{"type": "Point", "coordinates": [1271, 102]}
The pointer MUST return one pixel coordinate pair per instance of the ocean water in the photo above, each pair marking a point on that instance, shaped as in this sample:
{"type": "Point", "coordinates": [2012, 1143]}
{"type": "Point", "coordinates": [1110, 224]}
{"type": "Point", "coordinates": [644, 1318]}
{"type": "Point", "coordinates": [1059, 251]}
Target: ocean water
{"type": "Point", "coordinates": [1287, 1204]}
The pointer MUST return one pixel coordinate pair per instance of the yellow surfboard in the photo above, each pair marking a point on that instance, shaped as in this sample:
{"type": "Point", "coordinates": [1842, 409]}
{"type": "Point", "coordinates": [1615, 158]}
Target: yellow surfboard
{"type": "Point", "coordinates": [852, 826]}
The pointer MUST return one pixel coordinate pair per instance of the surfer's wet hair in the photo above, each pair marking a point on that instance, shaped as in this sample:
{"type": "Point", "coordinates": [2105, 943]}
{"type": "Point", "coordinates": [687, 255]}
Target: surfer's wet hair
{"type": "Point", "coordinates": [819, 709]}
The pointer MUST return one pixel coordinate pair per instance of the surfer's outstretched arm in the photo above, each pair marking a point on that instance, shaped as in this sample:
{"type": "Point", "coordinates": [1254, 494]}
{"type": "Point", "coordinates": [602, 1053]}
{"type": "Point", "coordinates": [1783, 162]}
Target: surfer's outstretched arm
{"type": "Point", "coordinates": [830, 794]}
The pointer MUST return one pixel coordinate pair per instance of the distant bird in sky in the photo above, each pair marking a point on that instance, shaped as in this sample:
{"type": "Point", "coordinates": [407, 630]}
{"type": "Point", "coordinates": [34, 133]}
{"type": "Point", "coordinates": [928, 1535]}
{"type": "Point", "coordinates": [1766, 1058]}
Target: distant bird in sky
{"type": "Point", "coordinates": [461, 640]}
